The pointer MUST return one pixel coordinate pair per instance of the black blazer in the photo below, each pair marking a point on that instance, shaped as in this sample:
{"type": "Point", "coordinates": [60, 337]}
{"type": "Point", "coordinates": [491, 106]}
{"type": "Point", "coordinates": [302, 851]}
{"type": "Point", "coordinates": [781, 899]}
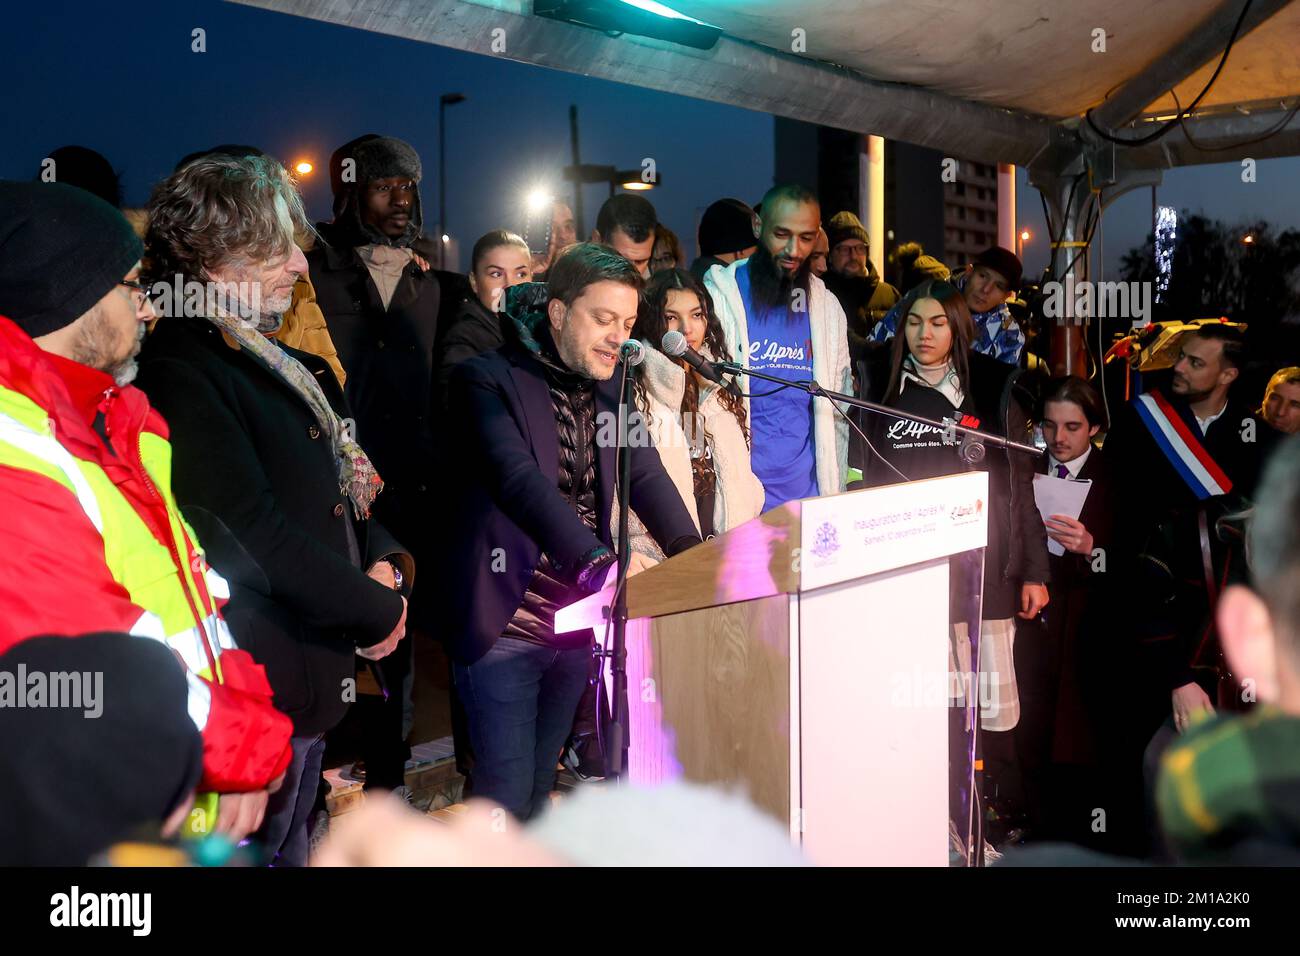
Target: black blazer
{"type": "Point", "coordinates": [255, 477]}
{"type": "Point", "coordinates": [1069, 570]}
{"type": "Point", "coordinates": [506, 508]}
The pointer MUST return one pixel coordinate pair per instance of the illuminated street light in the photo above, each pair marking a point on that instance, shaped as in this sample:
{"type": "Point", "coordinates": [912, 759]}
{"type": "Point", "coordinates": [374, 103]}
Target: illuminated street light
{"type": "Point", "coordinates": [1248, 239]}
{"type": "Point", "coordinates": [537, 200]}
{"type": "Point", "coordinates": [303, 168]}
{"type": "Point", "coordinates": [1025, 236]}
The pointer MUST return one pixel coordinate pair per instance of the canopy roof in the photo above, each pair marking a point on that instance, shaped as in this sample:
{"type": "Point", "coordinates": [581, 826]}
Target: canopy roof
{"type": "Point", "coordinates": [996, 80]}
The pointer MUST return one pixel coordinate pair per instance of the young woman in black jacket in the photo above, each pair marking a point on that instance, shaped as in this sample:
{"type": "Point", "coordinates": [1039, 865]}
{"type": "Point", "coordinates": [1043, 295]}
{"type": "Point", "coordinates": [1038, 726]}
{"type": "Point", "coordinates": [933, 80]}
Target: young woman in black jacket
{"type": "Point", "coordinates": [932, 370]}
{"type": "Point", "coordinates": [500, 260]}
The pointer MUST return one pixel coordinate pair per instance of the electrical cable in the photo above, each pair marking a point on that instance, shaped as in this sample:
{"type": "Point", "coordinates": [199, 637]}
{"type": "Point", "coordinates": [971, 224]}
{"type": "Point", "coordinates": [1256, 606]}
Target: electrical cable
{"type": "Point", "coordinates": [1167, 126]}
{"type": "Point", "coordinates": [816, 389]}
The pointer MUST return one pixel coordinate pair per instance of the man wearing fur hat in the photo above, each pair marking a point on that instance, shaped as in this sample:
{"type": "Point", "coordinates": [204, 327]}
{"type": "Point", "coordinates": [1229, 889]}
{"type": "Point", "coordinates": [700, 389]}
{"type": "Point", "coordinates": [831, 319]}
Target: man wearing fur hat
{"type": "Point", "coordinates": [381, 301]}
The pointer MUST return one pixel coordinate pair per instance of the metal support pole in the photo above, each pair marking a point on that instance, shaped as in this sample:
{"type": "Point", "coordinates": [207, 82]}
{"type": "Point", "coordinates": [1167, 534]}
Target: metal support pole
{"type": "Point", "coordinates": [577, 161]}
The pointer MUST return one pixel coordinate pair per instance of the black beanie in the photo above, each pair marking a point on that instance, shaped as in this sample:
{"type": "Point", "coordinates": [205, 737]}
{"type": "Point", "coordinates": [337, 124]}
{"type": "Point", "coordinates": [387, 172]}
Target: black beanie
{"type": "Point", "coordinates": [61, 251]}
{"type": "Point", "coordinates": [1003, 262]}
{"type": "Point", "coordinates": [726, 226]}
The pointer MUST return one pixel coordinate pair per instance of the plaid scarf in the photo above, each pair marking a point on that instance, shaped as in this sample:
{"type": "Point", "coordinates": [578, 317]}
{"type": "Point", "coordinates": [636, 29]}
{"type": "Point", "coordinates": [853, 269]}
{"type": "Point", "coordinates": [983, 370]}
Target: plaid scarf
{"type": "Point", "coordinates": [1231, 779]}
{"type": "Point", "coordinates": [357, 476]}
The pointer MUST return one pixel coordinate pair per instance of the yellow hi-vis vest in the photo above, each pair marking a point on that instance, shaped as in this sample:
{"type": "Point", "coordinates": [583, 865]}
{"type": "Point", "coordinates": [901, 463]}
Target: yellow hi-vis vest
{"type": "Point", "coordinates": [175, 611]}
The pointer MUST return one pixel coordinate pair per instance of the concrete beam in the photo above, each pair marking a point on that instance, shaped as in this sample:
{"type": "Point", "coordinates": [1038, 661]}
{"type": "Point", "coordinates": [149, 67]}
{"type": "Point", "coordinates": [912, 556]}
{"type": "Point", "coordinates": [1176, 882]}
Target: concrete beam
{"type": "Point", "coordinates": [735, 72]}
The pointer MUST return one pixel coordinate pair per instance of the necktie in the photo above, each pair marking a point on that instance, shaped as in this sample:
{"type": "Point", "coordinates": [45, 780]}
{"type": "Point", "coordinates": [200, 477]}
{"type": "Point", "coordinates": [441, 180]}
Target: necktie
{"type": "Point", "coordinates": [1062, 471]}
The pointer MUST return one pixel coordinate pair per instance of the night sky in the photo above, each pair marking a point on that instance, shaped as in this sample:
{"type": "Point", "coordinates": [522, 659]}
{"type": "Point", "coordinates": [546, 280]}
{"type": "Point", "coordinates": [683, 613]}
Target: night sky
{"type": "Point", "coordinates": [121, 78]}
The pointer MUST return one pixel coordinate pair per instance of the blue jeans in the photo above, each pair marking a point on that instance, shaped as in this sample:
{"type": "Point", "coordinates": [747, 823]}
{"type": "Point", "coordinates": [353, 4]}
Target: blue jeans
{"type": "Point", "coordinates": [520, 699]}
{"type": "Point", "coordinates": [285, 834]}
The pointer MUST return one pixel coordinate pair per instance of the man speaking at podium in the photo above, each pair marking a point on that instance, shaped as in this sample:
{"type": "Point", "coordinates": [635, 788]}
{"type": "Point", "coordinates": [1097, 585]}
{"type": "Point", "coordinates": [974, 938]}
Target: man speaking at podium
{"type": "Point", "coordinates": [533, 444]}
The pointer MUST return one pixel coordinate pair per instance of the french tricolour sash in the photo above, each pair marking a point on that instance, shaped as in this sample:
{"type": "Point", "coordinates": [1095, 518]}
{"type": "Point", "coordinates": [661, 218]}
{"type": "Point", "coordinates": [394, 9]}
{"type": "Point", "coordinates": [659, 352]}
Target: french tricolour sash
{"type": "Point", "coordinates": [1181, 444]}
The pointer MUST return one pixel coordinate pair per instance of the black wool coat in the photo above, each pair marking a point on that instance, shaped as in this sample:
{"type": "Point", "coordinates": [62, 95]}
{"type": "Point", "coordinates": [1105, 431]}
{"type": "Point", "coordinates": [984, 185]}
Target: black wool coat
{"type": "Point", "coordinates": [254, 476]}
{"type": "Point", "coordinates": [389, 357]}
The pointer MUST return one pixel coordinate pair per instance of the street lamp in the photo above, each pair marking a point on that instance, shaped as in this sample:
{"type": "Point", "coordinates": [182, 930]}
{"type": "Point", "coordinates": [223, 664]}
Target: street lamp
{"type": "Point", "coordinates": [1248, 239]}
{"type": "Point", "coordinates": [537, 200]}
{"type": "Point", "coordinates": [582, 173]}
{"type": "Point", "coordinates": [447, 99]}
{"type": "Point", "coordinates": [303, 168]}
{"type": "Point", "coordinates": [632, 179]}
{"type": "Point", "coordinates": [1024, 237]}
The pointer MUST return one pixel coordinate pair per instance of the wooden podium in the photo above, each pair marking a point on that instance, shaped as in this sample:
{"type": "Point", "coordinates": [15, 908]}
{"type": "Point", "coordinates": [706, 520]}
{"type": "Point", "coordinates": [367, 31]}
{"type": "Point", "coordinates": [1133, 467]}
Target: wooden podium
{"type": "Point", "coordinates": [803, 658]}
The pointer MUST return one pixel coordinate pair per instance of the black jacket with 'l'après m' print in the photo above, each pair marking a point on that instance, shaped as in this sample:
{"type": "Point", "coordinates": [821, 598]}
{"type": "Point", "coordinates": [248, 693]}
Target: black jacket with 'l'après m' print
{"type": "Point", "coordinates": [1017, 548]}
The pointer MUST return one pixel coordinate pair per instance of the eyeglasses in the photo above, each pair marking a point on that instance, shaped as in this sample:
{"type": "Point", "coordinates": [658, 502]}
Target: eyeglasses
{"type": "Point", "coordinates": [135, 285]}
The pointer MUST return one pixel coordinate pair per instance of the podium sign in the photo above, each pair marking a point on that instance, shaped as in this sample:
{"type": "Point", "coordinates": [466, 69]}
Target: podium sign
{"type": "Point", "coordinates": [852, 535]}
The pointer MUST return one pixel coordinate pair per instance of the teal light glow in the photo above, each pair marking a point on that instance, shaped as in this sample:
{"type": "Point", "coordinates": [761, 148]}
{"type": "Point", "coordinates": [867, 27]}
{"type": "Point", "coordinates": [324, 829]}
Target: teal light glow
{"type": "Point", "coordinates": [659, 10]}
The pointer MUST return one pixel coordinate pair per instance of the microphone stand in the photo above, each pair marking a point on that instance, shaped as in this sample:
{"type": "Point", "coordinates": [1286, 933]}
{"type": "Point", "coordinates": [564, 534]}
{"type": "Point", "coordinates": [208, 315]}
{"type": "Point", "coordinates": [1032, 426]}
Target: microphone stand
{"type": "Point", "coordinates": [617, 744]}
{"type": "Point", "coordinates": [812, 388]}
{"type": "Point", "coordinates": [969, 789]}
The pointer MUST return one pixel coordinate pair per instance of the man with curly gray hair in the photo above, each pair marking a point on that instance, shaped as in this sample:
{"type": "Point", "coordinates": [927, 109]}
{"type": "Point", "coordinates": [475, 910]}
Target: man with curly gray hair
{"type": "Point", "coordinates": [230, 249]}
{"type": "Point", "coordinates": [266, 464]}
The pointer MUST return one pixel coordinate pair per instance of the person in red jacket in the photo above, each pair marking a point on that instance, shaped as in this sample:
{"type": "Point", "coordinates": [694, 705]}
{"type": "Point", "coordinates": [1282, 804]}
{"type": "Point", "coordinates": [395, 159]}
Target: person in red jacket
{"type": "Point", "coordinates": [92, 539]}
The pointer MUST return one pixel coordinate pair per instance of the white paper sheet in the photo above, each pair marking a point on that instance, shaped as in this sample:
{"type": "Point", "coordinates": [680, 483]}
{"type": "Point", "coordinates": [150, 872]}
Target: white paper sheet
{"type": "Point", "coordinates": [1059, 496]}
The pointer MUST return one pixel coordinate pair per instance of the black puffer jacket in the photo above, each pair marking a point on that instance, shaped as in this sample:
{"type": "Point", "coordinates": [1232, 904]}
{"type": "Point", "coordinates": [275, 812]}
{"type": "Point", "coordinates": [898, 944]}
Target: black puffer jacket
{"type": "Point", "coordinates": [473, 331]}
{"type": "Point", "coordinates": [573, 399]}
{"type": "Point", "coordinates": [1017, 549]}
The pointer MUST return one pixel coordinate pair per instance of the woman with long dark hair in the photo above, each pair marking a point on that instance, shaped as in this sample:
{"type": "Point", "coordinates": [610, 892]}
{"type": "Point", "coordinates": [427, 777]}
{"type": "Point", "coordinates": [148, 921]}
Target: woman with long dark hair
{"type": "Point", "coordinates": [933, 371]}
{"type": "Point", "coordinates": [700, 429]}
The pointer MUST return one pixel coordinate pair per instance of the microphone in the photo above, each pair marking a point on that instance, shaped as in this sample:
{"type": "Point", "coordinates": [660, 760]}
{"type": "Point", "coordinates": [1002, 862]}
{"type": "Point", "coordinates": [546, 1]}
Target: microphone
{"type": "Point", "coordinates": [674, 344]}
{"type": "Point", "coordinates": [632, 353]}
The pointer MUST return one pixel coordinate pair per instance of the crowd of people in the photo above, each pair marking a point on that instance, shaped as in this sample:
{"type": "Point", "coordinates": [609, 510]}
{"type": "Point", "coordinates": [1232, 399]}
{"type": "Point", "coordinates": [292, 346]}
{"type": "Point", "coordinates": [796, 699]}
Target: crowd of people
{"type": "Point", "coordinates": [275, 448]}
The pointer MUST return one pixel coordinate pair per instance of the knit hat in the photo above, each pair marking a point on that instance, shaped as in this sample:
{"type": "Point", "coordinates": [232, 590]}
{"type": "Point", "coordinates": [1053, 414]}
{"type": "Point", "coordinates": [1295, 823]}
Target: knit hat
{"type": "Point", "coordinates": [922, 268]}
{"type": "Point", "coordinates": [61, 251]}
{"type": "Point", "coordinates": [82, 166]}
{"type": "Point", "coordinates": [844, 226]}
{"type": "Point", "coordinates": [1003, 262]}
{"type": "Point", "coordinates": [726, 226]}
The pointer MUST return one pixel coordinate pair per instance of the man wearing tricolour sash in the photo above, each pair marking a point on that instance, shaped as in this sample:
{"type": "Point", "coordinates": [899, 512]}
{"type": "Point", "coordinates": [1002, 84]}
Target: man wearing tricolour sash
{"type": "Point", "coordinates": [1184, 458]}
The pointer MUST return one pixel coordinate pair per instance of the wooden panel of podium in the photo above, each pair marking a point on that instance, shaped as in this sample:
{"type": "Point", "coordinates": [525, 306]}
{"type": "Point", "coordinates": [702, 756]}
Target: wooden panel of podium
{"type": "Point", "coordinates": [803, 658]}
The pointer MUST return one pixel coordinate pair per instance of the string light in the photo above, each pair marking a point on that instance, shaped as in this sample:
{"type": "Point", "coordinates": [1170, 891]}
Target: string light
{"type": "Point", "coordinates": [1166, 238]}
